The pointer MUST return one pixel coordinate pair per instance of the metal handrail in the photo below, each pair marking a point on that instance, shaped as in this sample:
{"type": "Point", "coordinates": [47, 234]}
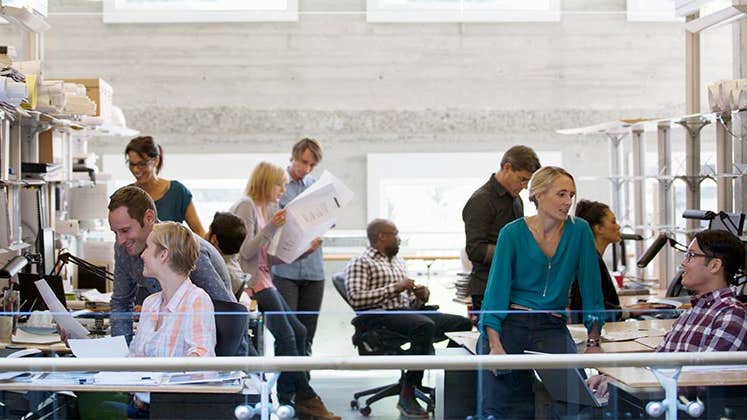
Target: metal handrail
{"type": "Point", "coordinates": [300, 363]}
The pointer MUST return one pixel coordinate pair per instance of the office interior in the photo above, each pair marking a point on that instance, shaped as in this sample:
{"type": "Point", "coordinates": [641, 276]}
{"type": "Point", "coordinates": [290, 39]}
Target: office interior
{"type": "Point", "coordinates": [414, 106]}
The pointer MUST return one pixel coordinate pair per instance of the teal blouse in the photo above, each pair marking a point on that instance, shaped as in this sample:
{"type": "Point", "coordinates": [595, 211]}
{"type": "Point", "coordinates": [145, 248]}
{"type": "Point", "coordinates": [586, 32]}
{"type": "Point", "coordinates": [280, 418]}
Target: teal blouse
{"type": "Point", "coordinates": [522, 274]}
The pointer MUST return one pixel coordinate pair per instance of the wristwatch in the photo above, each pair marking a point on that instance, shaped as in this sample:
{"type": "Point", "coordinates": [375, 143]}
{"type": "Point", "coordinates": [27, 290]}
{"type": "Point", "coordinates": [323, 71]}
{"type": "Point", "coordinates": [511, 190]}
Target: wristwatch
{"type": "Point", "coordinates": [592, 342]}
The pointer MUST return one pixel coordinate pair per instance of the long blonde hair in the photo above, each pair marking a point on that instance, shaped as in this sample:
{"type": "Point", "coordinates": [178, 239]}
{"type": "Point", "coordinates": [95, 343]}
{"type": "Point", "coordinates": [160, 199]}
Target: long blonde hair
{"type": "Point", "coordinates": [264, 177]}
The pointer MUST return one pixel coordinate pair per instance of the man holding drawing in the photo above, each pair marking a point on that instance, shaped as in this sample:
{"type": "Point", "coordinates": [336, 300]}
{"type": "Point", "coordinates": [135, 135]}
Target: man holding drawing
{"type": "Point", "coordinates": [301, 283]}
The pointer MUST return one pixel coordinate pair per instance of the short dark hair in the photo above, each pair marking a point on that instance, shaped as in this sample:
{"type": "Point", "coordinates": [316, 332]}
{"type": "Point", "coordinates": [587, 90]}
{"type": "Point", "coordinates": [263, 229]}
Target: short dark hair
{"type": "Point", "coordinates": [725, 246]}
{"type": "Point", "coordinates": [230, 231]}
{"type": "Point", "coordinates": [521, 158]}
{"type": "Point", "coordinates": [592, 211]}
{"type": "Point", "coordinates": [375, 227]}
{"type": "Point", "coordinates": [307, 143]}
{"type": "Point", "coordinates": [146, 148]}
{"type": "Point", "coordinates": [135, 199]}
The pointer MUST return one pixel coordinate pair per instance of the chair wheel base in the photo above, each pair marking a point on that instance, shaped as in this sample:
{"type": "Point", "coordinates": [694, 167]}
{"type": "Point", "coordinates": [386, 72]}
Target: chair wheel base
{"type": "Point", "coordinates": [354, 404]}
{"type": "Point", "coordinates": [366, 411]}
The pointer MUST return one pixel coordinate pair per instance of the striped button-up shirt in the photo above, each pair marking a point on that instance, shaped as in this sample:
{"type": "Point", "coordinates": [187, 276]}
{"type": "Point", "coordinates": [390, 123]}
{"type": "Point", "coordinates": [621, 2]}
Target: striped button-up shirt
{"type": "Point", "coordinates": [371, 279]}
{"type": "Point", "coordinates": [716, 322]}
{"type": "Point", "coordinates": [187, 325]}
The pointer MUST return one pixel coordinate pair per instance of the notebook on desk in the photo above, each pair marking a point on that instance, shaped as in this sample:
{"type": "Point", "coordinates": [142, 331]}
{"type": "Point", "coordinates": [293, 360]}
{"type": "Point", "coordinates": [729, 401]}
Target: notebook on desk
{"type": "Point", "coordinates": [568, 385]}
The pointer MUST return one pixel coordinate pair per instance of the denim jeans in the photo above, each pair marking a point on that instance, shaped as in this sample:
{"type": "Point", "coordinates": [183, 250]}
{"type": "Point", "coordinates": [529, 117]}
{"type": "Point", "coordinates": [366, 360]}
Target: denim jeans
{"type": "Point", "coordinates": [290, 339]}
{"type": "Point", "coordinates": [508, 394]}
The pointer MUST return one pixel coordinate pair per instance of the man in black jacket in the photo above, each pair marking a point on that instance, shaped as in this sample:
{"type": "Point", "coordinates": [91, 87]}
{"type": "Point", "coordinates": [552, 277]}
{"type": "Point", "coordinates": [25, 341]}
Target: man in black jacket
{"type": "Point", "coordinates": [491, 207]}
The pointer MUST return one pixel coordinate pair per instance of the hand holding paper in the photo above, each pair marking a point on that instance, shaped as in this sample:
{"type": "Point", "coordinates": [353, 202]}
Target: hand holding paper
{"type": "Point", "coordinates": [309, 216]}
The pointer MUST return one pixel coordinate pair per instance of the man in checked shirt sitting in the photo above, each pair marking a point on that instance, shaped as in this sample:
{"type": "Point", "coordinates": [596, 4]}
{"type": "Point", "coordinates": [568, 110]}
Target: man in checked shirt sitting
{"type": "Point", "coordinates": [717, 320]}
{"type": "Point", "coordinates": [377, 280]}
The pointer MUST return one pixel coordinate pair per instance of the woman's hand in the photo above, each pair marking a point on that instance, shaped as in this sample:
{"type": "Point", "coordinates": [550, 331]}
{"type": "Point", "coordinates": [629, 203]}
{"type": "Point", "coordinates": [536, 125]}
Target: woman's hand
{"type": "Point", "coordinates": [278, 219]}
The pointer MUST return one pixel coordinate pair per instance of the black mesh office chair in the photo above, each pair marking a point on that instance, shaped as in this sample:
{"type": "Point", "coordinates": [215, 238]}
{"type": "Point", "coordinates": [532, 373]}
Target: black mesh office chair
{"type": "Point", "coordinates": [374, 339]}
{"type": "Point", "coordinates": [231, 326]}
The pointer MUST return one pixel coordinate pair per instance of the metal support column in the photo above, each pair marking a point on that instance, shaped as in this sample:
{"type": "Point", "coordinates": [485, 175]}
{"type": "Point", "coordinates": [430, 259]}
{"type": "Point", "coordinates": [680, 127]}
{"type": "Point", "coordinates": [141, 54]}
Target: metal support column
{"type": "Point", "coordinates": [666, 198]}
{"type": "Point", "coordinates": [693, 125]}
{"type": "Point", "coordinates": [739, 123]}
{"type": "Point", "coordinates": [724, 166]}
{"type": "Point", "coordinates": [638, 149]}
{"type": "Point", "coordinates": [692, 69]}
{"type": "Point", "coordinates": [616, 171]}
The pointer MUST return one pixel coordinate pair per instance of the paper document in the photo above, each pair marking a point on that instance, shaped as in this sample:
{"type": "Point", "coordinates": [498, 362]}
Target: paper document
{"type": "Point", "coordinates": [128, 378]}
{"type": "Point", "coordinates": [64, 320]}
{"type": "Point", "coordinates": [99, 347]}
{"type": "Point", "coordinates": [94, 295]}
{"type": "Point", "coordinates": [203, 377]}
{"type": "Point", "coordinates": [309, 216]}
{"type": "Point", "coordinates": [24, 337]}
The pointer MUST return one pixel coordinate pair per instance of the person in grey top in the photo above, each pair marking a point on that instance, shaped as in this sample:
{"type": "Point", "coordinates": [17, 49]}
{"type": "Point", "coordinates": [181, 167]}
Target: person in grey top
{"type": "Point", "coordinates": [132, 215]}
{"type": "Point", "coordinates": [491, 207]}
{"type": "Point", "coordinates": [301, 283]}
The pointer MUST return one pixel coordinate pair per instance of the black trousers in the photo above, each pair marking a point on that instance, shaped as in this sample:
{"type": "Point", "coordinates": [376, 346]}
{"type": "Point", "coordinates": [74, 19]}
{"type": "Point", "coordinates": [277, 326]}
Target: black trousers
{"type": "Point", "coordinates": [424, 328]}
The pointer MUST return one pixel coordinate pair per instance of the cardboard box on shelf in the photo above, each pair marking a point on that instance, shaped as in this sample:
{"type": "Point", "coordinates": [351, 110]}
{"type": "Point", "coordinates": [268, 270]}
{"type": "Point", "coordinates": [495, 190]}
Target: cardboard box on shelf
{"type": "Point", "coordinates": [100, 92]}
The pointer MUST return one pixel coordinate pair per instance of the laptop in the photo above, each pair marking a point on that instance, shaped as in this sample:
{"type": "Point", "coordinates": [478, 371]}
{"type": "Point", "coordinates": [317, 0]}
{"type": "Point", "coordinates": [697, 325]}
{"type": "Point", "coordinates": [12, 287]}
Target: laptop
{"type": "Point", "coordinates": [568, 385]}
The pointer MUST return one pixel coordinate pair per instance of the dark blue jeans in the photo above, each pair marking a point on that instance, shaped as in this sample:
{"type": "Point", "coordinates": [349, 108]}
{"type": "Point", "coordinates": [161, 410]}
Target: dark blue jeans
{"type": "Point", "coordinates": [304, 297]}
{"type": "Point", "coordinates": [290, 339]}
{"type": "Point", "coordinates": [509, 393]}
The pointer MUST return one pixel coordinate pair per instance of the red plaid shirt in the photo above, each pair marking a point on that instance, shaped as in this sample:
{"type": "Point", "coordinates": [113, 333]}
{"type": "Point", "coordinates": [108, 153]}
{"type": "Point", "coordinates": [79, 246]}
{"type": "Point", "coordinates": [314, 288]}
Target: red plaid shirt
{"type": "Point", "coordinates": [716, 322]}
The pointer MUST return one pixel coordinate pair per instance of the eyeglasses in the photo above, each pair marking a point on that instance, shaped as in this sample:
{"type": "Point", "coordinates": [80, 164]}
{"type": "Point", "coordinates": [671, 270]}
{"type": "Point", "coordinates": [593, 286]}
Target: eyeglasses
{"type": "Point", "coordinates": [690, 254]}
{"type": "Point", "coordinates": [141, 164]}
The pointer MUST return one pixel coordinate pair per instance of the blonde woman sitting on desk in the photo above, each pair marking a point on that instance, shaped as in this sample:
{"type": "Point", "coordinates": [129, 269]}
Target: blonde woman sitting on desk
{"type": "Point", "coordinates": [179, 320]}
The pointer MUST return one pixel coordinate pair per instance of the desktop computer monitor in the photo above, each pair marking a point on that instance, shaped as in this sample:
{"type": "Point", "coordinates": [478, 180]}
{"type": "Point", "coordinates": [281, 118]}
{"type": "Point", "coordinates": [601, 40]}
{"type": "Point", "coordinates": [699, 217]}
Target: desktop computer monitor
{"type": "Point", "coordinates": [31, 300]}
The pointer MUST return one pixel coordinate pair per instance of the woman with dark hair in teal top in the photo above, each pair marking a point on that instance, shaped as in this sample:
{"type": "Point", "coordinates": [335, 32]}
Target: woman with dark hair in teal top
{"type": "Point", "coordinates": [535, 261]}
{"type": "Point", "coordinates": [173, 200]}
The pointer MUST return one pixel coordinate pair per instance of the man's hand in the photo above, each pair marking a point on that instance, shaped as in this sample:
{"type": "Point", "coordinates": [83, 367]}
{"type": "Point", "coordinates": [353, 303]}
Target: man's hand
{"type": "Point", "coordinates": [315, 244]}
{"type": "Point", "coordinates": [598, 385]}
{"type": "Point", "coordinates": [63, 335]}
{"type": "Point", "coordinates": [421, 292]}
{"type": "Point", "coordinates": [404, 284]}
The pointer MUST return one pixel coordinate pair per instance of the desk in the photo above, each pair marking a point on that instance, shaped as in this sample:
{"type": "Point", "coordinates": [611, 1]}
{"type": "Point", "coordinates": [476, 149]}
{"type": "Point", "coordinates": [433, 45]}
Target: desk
{"type": "Point", "coordinates": [58, 347]}
{"type": "Point", "coordinates": [188, 401]}
{"type": "Point", "coordinates": [721, 390]}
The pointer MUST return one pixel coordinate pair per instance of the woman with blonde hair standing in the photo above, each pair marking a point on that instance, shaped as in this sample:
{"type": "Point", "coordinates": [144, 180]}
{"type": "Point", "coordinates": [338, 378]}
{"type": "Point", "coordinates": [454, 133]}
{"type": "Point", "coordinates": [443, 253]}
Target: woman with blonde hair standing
{"type": "Point", "coordinates": [259, 210]}
{"type": "Point", "coordinates": [535, 261]}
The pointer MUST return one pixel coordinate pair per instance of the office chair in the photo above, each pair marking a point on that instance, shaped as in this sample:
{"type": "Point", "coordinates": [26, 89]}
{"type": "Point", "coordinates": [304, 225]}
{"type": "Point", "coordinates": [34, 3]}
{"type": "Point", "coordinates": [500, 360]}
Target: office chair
{"type": "Point", "coordinates": [373, 339]}
{"type": "Point", "coordinates": [231, 325]}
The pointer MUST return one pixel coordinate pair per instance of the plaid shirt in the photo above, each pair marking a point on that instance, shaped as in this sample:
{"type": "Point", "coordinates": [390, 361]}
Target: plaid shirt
{"type": "Point", "coordinates": [370, 281]}
{"type": "Point", "coordinates": [187, 326]}
{"type": "Point", "coordinates": [716, 322]}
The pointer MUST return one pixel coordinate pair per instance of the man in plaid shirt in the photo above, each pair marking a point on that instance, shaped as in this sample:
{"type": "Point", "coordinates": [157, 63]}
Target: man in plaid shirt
{"type": "Point", "coordinates": [717, 320]}
{"type": "Point", "coordinates": [377, 280]}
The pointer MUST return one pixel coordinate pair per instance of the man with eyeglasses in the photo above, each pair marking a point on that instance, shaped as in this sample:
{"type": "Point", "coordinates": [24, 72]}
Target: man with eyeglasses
{"type": "Point", "coordinates": [492, 206]}
{"type": "Point", "coordinates": [377, 280]}
{"type": "Point", "coordinates": [717, 321]}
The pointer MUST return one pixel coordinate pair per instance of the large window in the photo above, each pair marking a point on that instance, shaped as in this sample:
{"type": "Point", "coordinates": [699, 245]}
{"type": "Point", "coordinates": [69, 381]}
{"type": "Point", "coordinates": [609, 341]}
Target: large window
{"type": "Point", "coordinates": [166, 11]}
{"type": "Point", "coordinates": [651, 11]}
{"type": "Point", "coordinates": [463, 10]}
{"type": "Point", "coordinates": [424, 193]}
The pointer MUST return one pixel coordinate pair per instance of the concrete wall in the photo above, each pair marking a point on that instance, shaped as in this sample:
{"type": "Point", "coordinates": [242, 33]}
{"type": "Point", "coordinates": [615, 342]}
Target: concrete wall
{"type": "Point", "coordinates": [363, 87]}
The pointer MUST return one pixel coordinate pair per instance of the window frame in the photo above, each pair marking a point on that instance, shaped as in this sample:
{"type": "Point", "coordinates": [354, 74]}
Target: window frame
{"type": "Point", "coordinates": [113, 14]}
{"type": "Point", "coordinates": [637, 11]}
{"type": "Point", "coordinates": [377, 11]}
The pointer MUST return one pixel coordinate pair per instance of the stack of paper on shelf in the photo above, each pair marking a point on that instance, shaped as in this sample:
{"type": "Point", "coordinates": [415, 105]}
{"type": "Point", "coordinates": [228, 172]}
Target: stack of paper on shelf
{"type": "Point", "coordinates": [76, 100]}
{"type": "Point", "coordinates": [7, 54]}
{"type": "Point", "coordinates": [12, 91]}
